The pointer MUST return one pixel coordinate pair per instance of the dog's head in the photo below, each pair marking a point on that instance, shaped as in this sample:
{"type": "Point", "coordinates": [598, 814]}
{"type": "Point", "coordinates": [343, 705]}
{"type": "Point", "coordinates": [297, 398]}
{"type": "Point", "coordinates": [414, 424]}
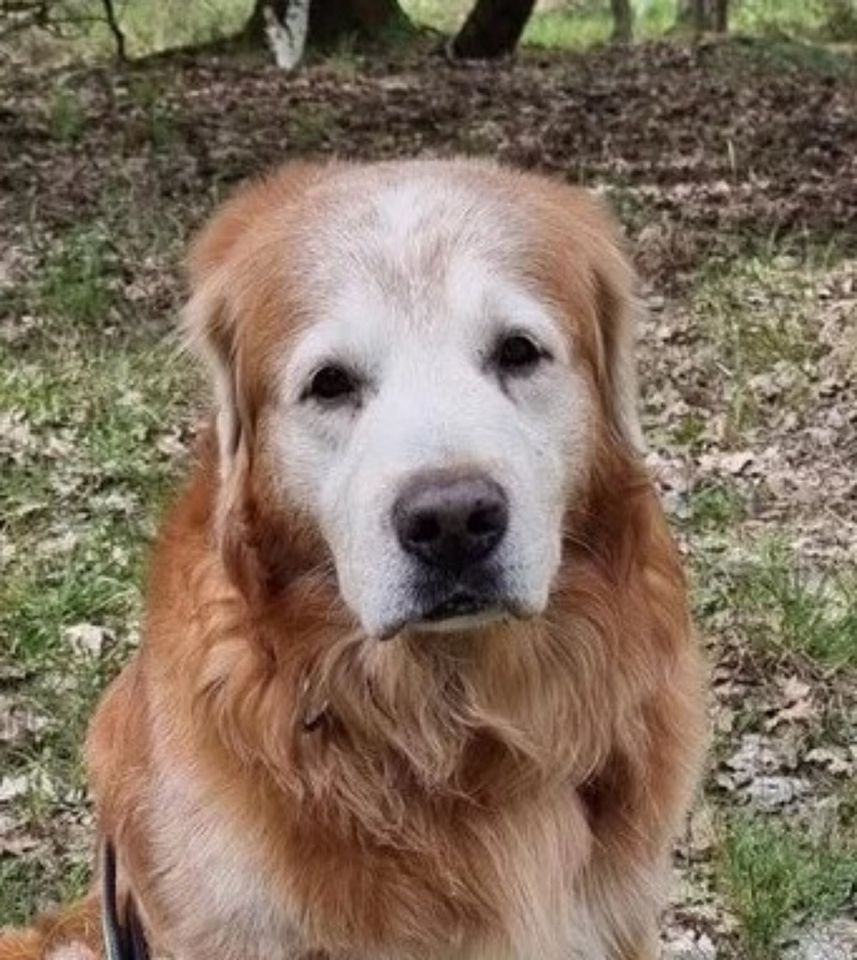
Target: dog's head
{"type": "Point", "coordinates": [418, 366]}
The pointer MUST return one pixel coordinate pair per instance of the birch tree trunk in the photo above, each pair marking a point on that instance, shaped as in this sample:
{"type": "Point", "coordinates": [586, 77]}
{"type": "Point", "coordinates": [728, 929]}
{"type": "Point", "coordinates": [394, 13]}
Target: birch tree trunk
{"type": "Point", "coordinates": [329, 21]}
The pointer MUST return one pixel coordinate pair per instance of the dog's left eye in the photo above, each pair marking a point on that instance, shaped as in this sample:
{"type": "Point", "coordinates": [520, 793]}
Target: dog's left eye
{"type": "Point", "coordinates": [332, 384]}
{"type": "Point", "coordinates": [517, 354]}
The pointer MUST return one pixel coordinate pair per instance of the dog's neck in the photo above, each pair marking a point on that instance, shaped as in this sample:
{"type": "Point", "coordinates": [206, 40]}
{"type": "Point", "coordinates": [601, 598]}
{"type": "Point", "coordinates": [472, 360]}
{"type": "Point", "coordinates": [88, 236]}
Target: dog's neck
{"type": "Point", "coordinates": [479, 718]}
{"type": "Point", "coordinates": [484, 715]}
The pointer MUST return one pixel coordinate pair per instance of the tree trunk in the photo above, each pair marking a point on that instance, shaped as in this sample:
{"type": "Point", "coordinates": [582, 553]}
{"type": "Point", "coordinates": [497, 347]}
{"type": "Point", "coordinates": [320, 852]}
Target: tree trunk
{"type": "Point", "coordinates": [492, 29]}
{"type": "Point", "coordinates": [287, 39]}
{"type": "Point", "coordinates": [703, 15]}
{"type": "Point", "coordinates": [331, 20]}
{"type": "Point", "coordinates": [684, 13]}
{"type": "Point", "coordinates": [623, 21]}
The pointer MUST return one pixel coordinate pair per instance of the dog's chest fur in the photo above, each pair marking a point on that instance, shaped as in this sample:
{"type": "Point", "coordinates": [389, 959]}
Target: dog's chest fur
{"type": "Point", "coordinates": [241, 904]}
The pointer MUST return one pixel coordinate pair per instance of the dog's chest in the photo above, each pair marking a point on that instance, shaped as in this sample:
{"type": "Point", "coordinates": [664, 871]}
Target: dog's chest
{"type": "Point", "coordinates": [228, 910]}
{"type": "Point", "coordinates": [239, 904]}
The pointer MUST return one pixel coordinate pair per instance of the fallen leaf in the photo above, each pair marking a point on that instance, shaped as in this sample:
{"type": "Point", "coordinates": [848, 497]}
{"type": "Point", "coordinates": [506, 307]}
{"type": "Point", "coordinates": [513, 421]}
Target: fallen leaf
{"type": "Point", "coordinates": [13, 787]}
{"type": "Point", "coordinates": [87, 639]}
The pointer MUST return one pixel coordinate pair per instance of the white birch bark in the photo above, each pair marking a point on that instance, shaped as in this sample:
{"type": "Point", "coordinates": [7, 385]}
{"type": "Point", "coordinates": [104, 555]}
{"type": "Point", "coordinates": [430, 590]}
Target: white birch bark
{"type": "Point", "coordinates": [287, 37]}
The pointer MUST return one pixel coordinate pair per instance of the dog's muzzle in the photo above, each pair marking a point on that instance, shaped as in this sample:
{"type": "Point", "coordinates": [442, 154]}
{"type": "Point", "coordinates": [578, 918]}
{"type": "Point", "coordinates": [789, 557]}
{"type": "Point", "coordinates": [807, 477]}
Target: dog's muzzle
{"type": "Point", "coordinates": [451, 522]}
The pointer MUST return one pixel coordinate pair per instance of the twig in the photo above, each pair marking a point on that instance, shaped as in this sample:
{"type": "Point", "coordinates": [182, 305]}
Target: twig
{"type": "Point", "coordinates": [115, 29]}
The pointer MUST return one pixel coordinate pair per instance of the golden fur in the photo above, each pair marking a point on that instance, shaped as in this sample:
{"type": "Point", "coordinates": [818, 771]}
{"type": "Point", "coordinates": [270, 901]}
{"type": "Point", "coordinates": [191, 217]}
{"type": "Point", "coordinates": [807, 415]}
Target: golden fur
{"type": "Point", "coordinates": [509, 793]}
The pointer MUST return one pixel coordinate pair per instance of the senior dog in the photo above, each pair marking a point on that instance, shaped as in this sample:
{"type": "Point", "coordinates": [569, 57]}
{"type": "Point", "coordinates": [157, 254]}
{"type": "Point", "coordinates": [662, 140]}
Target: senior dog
{"type": "Point", "coordinates": [418, 680]}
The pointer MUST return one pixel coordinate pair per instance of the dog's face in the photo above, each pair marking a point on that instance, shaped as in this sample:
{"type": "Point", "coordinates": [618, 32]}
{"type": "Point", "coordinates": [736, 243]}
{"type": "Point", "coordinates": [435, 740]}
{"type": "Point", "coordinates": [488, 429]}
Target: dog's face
{"type": "Point", "coordinates": [435, 368]}
{"type": "Point", "coordinates": [429, 420]}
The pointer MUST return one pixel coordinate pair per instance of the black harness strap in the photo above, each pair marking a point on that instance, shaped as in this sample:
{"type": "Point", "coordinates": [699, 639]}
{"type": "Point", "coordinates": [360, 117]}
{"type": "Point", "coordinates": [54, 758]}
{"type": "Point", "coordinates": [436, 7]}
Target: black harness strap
{"type": "Point", "coordinates": [120, 942]}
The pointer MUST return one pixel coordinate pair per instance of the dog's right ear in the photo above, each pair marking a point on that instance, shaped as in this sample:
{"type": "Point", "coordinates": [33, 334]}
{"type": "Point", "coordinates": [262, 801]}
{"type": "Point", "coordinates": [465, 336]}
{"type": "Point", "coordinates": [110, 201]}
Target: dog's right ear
{"type": "Point", "coordinates": [210, 323]}
{"type": "Point", "coordinates": [223, 267]}
{"type": "Point", "coordinates": [218, 270]}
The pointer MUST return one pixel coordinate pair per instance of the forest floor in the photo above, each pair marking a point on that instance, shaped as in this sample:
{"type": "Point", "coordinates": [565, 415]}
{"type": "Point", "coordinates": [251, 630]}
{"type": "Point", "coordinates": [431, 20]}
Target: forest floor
{"type": "Point", "coordinates": [734, 169]}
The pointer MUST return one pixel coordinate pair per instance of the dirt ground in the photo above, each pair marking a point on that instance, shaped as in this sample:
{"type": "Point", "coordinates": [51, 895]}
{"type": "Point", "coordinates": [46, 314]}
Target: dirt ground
{"type": "Point", "coordinates": [734, 170]}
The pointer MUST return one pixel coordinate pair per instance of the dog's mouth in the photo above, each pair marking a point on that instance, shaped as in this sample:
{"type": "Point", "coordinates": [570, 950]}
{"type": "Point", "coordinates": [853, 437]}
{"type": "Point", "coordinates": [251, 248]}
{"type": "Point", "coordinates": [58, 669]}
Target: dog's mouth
{"type": "Point", "coordinates": [462, 603]}
{"type": "Point", "coordinates": [468, 602]}
{"type": "Point", "coordinates": [460, 610]}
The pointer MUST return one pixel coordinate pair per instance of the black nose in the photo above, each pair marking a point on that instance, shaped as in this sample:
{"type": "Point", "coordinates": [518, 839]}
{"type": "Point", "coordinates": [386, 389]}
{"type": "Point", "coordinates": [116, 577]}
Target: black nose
{"type": "Point", "coordinates": [451, 519]}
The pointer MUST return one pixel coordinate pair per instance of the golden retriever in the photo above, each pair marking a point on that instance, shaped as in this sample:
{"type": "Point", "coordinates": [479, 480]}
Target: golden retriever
{"type": "Point", "coordinates": [418, 680]}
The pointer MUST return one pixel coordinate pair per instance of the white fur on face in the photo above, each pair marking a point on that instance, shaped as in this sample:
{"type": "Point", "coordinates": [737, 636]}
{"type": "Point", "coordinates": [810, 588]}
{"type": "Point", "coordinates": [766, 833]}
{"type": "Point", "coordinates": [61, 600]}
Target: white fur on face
{"type": "Point", "coordinates": [414, 286]}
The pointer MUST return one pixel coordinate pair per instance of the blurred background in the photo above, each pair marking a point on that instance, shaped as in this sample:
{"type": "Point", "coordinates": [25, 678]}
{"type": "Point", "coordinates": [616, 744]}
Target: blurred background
{"type": "Point", "coordinates": [724, 134]}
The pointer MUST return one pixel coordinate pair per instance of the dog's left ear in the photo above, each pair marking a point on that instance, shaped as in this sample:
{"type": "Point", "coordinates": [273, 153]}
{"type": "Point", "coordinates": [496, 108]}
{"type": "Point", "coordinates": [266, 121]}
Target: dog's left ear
{"type": "Point", "coordinates": [585, 252]}
{"type": "Point", "coordinates": [619, 313]}
{"type": "Point", "coordinates": [597, 249]}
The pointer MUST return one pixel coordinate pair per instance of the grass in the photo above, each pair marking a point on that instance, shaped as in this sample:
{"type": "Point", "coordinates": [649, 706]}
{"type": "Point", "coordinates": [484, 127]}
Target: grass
{"type": "Point", "coordinates": [772, 604]}
{"type": "Point", "coordinates": [94, 399]}
{"type": "Point", "coordinates": [797, 610]}
{"type": "Point", "coordinates": [153, 27]}
{"type": "Point", "coordinates": [777, 879]}
{"type": "Point", "coordinates": [308, 127]}
{"type": "Point", "coordinates": [79, 502]}
{"type": "Point", "coordinates": [783, 53]}
{"type": "Point", "coordinates": [716, 507]}
{"type": "Point", "coordinates": [577, 26]}
{"type": "Point", "coordinates": [75, 284]}
{"type": "Point", "coordinates": [66, 117]}
{"type": "Point", "coordinates": [757, 317]}
{"type": "Point", "coordinates": [757, 313]}
{"type": "Point", "coordinates": [158, 121]}
{"type": "Point", "coordinates": [27, 883]}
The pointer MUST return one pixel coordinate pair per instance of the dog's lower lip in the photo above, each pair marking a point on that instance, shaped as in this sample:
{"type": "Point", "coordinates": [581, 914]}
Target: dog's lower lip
{"type": "Point", "coordinates": [461, 605]}
{"type": "Point", "coordinates": [458, 605]}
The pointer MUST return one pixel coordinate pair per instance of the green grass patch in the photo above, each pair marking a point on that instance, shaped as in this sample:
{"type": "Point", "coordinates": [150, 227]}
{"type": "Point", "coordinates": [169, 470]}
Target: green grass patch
{"type": "Point", "coordinates": [779, 53]}
{"type": "Point", "coordinates": [308, 127]}
{"type": "Point", "coordinates": [21, 885]}
{"type": "Point", "coordinates": [561, 30]}
{"type": "Point", "coordinates": [96, 583]}
{"type": "Point", "coordinates": [757, 312]}
{"type": "Point", "coordinates": [446, 15]}
{"type": "Point", "coordinates": [153, 27]}
{"type": "Point", "coordinates": [43, 596]}
{"type": "Point", "coordinates": [150, 94]}
{"type": "Point", "coordinates": [585, 24]}
{"type": "Point", "coordinates": [689, 431]}
{"type": "Point", "coordinates": [76, 282]}
{"type": "Point", "coordinates": [776, 878]}
{"type": "Point", "coordinates": [93, 403]}
{"type": "Point", "coordinates": [759, 315]}
{"type": "Point", "coordinates": [66, 116]}
{"type": "Point", "coordinates": [716, 508]}
{"type": "Point", "coordinates": [28, 885]}
{"type": "Point", "coordinates": [176, 23]}
{"type": "Point", "coordinates": [777, 606]}
{"type": "Point", "coordinates": [92, 421]}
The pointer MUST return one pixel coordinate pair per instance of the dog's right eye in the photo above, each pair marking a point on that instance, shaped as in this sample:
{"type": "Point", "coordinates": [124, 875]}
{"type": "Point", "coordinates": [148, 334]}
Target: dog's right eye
{"type": "Point", "coordinates": [331, 384]}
